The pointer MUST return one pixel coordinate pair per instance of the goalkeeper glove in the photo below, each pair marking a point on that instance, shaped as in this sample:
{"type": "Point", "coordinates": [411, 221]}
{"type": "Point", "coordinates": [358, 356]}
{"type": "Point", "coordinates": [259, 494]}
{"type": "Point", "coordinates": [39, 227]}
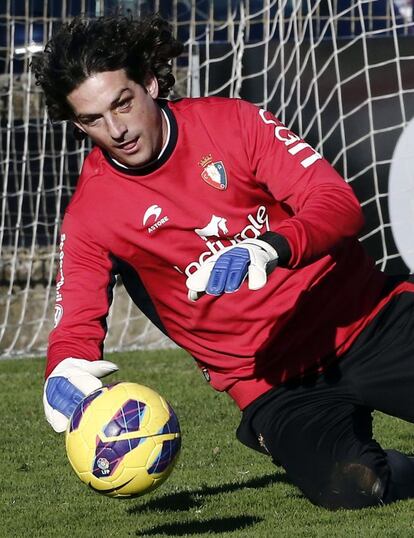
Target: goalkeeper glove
{"type": "Point", "coordinates": [68, 384]}
{"type": "Point", "coordinates": [225, 271]}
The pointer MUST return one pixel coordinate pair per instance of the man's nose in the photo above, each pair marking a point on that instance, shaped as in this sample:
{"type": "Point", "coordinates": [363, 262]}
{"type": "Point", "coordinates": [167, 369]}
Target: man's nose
{"type": "Point", "coordinates": [116, 128]}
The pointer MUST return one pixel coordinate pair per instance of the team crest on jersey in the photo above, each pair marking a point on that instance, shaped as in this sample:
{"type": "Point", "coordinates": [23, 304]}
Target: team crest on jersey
{"type": "Point", "coordinates": [214, 173]}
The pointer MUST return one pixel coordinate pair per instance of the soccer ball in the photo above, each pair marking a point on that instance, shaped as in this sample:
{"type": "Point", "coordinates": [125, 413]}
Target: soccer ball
{"type": "Point", "coordinates": [123, 440]}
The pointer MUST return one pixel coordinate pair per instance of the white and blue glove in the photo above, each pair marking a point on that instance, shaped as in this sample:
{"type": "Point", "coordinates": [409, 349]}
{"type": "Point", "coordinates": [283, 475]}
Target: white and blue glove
{"type": "Point", "coordinates": [225, 271]}
{"type": "Point", "coordinates": [68, 384]}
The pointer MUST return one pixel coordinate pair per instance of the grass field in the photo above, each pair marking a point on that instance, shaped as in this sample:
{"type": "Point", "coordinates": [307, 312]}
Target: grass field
{"type": "Point", "coordinates": [218, 488]}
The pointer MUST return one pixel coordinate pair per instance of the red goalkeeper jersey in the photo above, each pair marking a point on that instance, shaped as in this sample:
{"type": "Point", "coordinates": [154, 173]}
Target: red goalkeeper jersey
{"type": "Point", "coordinates": [230, 171]}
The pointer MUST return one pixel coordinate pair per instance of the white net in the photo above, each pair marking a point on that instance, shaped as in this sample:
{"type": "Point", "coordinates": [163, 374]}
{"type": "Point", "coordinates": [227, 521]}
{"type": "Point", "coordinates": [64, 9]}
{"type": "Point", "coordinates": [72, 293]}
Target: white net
{"type": "Point", "coordinates": [340, 73]}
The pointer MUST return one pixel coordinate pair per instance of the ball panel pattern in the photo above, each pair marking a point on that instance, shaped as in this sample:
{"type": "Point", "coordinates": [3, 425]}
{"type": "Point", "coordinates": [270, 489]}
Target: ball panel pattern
{"type": "Point", "coordinates": [169, 450]}
{"type": "Point", "coordinates": [127, 419]}
{"type": "Point", "coordinates": [81, 408]}
{"type": "Point", "coordinates": [108, 455]}
{"type": "Point", "coordinates": [171, 426]}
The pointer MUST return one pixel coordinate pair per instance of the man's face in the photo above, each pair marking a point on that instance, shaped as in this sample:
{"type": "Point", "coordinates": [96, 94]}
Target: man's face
{"type": "Point", "coordinates": [120, 116]}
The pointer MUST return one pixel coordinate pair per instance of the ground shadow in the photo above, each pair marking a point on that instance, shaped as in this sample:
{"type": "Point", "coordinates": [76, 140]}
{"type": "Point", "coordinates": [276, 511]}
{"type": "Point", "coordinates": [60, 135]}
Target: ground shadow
{"type": "Point", "coordinates": [211, 526]}
{"type": "Point", "coordinates": [186, 500]}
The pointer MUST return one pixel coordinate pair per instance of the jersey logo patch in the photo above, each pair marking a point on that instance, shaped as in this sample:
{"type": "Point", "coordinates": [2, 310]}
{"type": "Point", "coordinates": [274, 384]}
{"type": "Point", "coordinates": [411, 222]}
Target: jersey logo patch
{"type": "Point", "coordinates": [214, 173]}
{"type": "Point", "coordinates": [153, 213]}
{"type": "Point", "coordinates": [58, 315]}
{"type": "Point", "coordinates": [213, 228]}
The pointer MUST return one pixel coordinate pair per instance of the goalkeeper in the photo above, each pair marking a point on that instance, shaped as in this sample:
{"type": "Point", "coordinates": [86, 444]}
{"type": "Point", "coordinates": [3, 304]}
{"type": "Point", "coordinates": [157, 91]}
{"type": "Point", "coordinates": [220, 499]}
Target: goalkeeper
{"type": "Point", "coordinates": [239, 241]}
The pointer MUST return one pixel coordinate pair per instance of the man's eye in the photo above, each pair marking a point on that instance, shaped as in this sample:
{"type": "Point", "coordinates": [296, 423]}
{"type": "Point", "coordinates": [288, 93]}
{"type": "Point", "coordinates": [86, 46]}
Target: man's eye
{"type": "Point", "coordinates": [90, 122]}
{"type": "Point", "coordinates": [124, 105]}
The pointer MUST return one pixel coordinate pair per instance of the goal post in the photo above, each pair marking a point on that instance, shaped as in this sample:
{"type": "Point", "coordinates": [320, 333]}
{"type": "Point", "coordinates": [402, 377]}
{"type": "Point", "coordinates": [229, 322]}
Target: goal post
{"type": "Point", "coordinates": [339, 73]}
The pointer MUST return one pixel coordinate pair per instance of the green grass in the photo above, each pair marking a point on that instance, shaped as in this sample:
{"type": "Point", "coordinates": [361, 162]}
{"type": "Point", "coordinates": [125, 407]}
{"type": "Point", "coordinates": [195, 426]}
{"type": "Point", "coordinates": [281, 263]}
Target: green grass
{"type": "Point", "coordinates": [218, 488]}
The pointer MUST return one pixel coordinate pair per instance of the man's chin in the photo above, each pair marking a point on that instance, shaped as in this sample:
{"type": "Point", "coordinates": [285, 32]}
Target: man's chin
{"type": "Point", "coordinates": [134, 161]}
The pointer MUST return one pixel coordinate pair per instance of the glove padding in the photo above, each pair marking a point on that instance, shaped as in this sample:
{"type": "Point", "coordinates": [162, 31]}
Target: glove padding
{"type": "Point", "coordinates": [68, 384]}
{"type": "Point", "coordinates": [225, 271]}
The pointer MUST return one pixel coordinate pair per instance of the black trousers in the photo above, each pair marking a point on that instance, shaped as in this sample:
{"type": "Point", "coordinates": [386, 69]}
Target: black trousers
{"type": "Point", "coordinates": [319, 428]}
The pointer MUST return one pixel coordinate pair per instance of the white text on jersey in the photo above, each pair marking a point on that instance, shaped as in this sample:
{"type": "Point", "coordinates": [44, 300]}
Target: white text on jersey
{"type": "Point", "coordinates": [286, 136]}
{"type": "Point", "coordinates": [59, 284]}
{"type": "Point", "coordinates": [258, 224]}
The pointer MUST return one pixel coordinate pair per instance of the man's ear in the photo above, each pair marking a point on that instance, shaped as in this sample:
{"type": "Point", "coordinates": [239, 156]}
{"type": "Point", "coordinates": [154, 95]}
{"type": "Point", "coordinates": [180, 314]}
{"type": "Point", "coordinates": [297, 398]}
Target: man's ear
{"type": "Point", "coordinates": [151, 85]}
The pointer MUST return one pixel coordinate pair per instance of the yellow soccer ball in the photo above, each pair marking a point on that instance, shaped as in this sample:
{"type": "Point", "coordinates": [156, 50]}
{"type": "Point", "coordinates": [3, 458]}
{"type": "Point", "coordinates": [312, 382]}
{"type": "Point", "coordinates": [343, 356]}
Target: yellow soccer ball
{"type": "Point", "coordinates": [123, 440]}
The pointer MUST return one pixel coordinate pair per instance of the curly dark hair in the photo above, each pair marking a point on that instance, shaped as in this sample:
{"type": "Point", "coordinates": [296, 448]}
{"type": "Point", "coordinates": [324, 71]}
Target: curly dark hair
{"type": "Point", "coordinates": [87, 46]}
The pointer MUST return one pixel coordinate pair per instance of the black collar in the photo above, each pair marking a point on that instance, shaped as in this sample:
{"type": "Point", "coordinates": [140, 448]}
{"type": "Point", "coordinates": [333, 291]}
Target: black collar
{"type": "Point", "coordinates": [153, 165]}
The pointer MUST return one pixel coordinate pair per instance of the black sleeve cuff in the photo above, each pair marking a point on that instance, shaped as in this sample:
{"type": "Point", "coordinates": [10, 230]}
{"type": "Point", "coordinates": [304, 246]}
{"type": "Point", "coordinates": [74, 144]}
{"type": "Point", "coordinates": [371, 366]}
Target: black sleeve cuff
{"type": "Point", "coordinates": [280, 244]}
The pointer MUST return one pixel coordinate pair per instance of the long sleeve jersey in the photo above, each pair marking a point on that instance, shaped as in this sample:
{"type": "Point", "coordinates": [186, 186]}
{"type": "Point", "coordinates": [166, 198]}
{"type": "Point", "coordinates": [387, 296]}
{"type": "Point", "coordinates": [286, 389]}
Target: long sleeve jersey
{"type": "Point", "coordinates": [230, 171]}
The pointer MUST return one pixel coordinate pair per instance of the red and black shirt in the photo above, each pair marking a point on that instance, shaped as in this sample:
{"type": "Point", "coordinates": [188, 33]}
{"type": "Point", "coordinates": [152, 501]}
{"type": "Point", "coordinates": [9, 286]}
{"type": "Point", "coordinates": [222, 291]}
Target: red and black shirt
{"type": "Point", "coordinates": [230, 171]}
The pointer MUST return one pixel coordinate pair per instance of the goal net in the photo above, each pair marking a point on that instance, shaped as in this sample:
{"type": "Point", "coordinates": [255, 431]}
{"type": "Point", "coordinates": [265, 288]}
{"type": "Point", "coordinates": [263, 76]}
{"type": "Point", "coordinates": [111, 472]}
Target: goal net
{"type": "Point", "coordinates": [339, 73]}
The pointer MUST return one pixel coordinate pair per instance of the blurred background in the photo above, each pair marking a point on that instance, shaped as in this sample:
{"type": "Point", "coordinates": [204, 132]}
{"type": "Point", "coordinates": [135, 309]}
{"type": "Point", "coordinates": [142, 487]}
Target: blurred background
{"type": "Point", "coordinates": [339, 73]}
